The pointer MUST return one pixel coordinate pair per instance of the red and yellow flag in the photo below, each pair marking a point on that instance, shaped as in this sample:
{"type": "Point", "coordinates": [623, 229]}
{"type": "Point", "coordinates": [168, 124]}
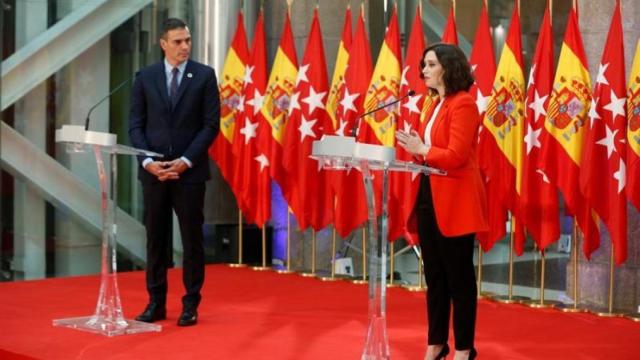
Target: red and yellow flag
{"type": "Point", "coordinates": [380, 126]}
{"type": "Point", "coordinates": [337, 80]}
{"type": "Point", "coordinates": [275, 107]}
{"type": "Point", "coordinates": [309, 198]}
{"type": "Point", "coordinates": [563, 135]}
{"type": "Point", "coordinates": [252, 170]}
{"type": "Point", "coordinates": [231, 105]}
{"type": "Point", "coordinates": [633, 131]}
{"type": "Point", "coordinates": [450, 34]}
{"type": "Point", "coordinates": [351, 205]}
{"type": "Point", "coordinates": [603, 173]}
{"type": "Point", "coordinates": [539, 206]}
{"type": "Point", "coordinates": [404, 186]}
{"type": "Point", "coordinates": [504, 120]}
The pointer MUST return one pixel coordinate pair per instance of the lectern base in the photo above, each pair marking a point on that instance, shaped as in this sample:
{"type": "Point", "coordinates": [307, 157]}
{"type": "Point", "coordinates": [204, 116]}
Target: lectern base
{"type": "Point", "coordinates": [100, 325]}
{"type": "Point", "coordinates": [377, 344]}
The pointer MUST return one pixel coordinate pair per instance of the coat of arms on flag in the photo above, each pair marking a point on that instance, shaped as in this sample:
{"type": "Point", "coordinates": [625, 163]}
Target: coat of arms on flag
{"type": "Point", "coordinates": [569, 109]}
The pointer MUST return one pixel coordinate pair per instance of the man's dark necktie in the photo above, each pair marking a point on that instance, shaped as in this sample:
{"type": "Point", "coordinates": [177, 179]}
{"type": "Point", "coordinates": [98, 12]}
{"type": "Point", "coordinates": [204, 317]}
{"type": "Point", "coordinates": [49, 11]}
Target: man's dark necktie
{"type": "Point", "coordinates": [173, 86]}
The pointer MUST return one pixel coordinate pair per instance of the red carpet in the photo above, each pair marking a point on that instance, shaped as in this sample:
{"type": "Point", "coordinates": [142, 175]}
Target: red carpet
{"type": "Point", "coordinates": [263, 315]}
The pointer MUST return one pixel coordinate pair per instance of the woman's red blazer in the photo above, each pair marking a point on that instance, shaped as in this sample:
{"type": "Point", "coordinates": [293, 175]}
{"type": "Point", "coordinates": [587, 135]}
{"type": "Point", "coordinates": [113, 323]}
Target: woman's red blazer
{"type": "Point", "coordinates": [459, 197]}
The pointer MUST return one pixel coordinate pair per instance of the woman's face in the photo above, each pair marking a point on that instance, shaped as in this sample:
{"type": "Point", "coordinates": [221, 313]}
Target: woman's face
{"type": "Point", "coordinates": [432, 71]}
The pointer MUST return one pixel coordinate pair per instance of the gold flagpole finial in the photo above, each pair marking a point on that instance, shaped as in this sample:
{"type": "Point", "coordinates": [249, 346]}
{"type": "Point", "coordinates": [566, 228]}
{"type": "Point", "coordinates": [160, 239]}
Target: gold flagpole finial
{"type": "Point", "coordinates": [289, 2]}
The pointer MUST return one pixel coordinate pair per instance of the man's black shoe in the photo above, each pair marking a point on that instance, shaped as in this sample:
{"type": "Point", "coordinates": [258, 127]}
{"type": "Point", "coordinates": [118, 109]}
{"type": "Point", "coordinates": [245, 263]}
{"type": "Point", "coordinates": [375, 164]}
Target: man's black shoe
{"type": "Point", "coordinates": [153, 312]}
{"type": "Point", "coordinates": [188, 317]}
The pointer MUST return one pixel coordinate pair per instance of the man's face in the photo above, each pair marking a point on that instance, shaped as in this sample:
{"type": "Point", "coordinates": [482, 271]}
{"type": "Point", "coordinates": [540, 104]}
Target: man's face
{"type": "Point", "coordinates": [176, 45]}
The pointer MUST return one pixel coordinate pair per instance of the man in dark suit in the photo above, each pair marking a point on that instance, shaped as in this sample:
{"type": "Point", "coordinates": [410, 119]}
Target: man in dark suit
{"type": "Point", "coordinates": [175, 111]}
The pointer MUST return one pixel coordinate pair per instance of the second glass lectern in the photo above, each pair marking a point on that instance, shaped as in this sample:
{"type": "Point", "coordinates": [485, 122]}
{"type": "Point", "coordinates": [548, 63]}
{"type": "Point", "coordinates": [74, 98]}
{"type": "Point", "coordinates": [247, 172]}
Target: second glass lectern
{"type": "Point", "coordinates": [108, 318]}
{"type": "Point", "coordinates": [344, 153]}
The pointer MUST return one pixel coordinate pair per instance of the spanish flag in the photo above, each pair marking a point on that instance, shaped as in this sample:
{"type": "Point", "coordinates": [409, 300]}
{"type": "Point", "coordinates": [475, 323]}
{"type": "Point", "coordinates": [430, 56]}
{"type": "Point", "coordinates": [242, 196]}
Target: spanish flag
{"type": "Point", "coordinates": [337, 80]}
{"type": "Point", "coordinates": [505, 121]}
{"type": "Point", "coordinates": [380, 126]}
{"type": "Point", "coordinates": [563, 135]}
{"type": "Point", "coordinates": [232, 105]}
{"type": "Point", "coordinates": [275, 107]}
{"type": "Point", "coordinates": [350, 207]}
{"type": "Point", "coordinates": [633, 131]}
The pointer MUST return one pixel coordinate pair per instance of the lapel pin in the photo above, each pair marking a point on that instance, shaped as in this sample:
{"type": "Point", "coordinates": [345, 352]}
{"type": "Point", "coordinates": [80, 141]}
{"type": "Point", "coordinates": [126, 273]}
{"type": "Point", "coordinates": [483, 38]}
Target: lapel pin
{"type": "Point", "coordinates": [189, 75]}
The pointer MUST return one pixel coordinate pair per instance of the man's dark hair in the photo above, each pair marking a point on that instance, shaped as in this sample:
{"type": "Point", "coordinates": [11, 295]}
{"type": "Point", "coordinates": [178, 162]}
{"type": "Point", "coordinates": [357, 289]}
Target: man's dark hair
{"type": "Point", "coordinates": [172, 24]}
{"type": "Point", "coordinates": [457, 71]}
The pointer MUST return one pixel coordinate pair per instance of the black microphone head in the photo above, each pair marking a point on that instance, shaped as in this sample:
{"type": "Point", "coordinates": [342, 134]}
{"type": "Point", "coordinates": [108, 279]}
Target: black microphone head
{"type": "Point", "coordinates": [411, 93]}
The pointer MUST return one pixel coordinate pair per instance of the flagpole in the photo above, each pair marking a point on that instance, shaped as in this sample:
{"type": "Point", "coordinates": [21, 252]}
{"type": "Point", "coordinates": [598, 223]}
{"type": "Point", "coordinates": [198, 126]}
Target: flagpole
{"type": "Point", "coordinates": [510, 298]}
{"type": "Point", "coordinates": [420, 285]}
{"type": "Point", "coordinates": [480, 271]}
{"type": "Point", "coordinates": [542, 303]}
{"type": "Point", "coordinates": [574, 263]}
{"type": "Point", "coordinates": [333, 259]}
{"type": "Point", "coordinates": [288, 241]}
{"type": "Point", "coordinates": [480, 252]}
{"type": "Point", "coordinates": [239, 263]}
{"type": "Point", "coordinates": [609, 312]}
{"type": "Point", "coordinates": [288, 269]}
{"type": "Point", "coordinates": [391, 265]}
{"type": "Point", "coordinates": [312, 273]}
{"type": "Point", "coordinates": [364, 258]}
{"type": "Point", "coordinates": [481, 294]}
{"type": "Point", "coordinates": [264, 252]}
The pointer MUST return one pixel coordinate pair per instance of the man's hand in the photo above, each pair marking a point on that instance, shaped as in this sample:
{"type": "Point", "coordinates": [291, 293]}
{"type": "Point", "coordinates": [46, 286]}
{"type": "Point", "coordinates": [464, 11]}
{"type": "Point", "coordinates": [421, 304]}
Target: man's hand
{"type": "Point", "coordinates": [177, 166]}
{"type": "Point", "coordinates": [162, 170]}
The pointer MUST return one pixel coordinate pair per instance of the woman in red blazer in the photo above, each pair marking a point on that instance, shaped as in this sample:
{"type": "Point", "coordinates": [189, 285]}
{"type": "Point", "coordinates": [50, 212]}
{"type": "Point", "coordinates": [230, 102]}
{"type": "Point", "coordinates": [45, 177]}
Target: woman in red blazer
{"type": "Point", "coordinates": [450, 209]}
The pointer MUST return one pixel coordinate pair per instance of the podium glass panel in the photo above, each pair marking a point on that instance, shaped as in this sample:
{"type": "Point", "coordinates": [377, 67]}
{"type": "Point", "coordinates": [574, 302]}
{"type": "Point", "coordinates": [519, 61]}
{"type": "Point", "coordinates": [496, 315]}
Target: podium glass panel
{"type": "Point", "coordinates": [108, 318]}
{"type": "Point", "coordinates": [339, 153]}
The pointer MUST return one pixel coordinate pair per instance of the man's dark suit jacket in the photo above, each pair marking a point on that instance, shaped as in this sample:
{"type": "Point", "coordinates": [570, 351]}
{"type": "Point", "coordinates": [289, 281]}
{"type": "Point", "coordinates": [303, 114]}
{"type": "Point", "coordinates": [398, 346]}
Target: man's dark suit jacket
{"type": "Point", "coordinates": [185, 128]}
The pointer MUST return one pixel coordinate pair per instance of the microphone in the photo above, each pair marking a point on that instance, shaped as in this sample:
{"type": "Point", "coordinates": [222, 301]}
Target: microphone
{"type": "Point", "coordinates": [359, 118]}
{"type": "Point", "coordinates": [86, 121]}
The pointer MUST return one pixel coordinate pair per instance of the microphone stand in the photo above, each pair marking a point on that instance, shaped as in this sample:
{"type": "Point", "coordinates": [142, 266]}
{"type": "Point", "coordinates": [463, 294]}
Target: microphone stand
{"type": "Point", "coordinates": [86, 121]}
{"type": "Point", "coordinates": [359, 118]}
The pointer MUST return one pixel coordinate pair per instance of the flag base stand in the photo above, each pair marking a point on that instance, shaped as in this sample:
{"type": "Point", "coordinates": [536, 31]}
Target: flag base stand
{"type": "Point", "coordinates": [284, 271]}
{"type": "Point", "coordinates": [308, 274]}
{"type": "Point", "coordinates": [486, 295]}
{"type": "Point", "coordinates": [605, 313]}
{"type": "Point", "coordinates": [633, 317]}
{"type": "Point", "coordinates": [359, 282]}
{"type": "Point", "coordinates": [260, 268]}
{"type": "Point", "coordinates": [328, 278]}
{"type": "Point", "coordinates": [505, 299]}
{"type": "Point", "coordinates": [414, 288]}
{"type": "Point", "coordinates": [537, 304]}
{"type": "Point", "coordinates": [569, 308]}
{"type": "Point", "coordinates": [236, 265]}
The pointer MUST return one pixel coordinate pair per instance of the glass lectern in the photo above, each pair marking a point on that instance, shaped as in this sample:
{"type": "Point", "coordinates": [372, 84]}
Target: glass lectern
{"type": "Point", "coordinates": [108, 318]}
{"type": "Point", "coordinates": [343, 153]}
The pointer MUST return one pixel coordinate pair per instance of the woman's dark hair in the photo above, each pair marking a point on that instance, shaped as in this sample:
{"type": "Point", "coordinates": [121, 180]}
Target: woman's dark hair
{"type": "Point", "coordinates": [457, 71]}
{"type": "Point", "coordinates": [172, 24]}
